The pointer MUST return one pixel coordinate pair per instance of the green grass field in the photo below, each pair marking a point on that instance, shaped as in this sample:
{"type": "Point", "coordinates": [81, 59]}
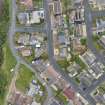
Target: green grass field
{"type": "Point", "coordinates": [24, 78]}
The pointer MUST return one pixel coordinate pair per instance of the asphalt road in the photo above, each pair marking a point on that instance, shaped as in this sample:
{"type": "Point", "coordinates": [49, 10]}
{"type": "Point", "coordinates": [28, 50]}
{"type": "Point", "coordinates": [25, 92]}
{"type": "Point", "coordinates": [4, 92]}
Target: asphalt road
{"type": "Point", "coordinates": [30, 29]}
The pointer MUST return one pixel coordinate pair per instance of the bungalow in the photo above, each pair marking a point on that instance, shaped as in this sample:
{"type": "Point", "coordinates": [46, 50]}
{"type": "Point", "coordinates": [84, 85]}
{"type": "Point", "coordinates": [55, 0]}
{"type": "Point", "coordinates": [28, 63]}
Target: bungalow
{"type": "Point", "coordinates": [88, 57]}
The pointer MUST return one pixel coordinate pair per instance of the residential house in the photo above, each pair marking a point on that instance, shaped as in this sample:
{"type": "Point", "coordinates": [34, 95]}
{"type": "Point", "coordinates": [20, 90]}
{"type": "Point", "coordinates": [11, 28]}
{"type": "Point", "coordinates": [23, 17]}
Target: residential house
{"type": "Point", "coordinates": [33, 17]}
{"type": "Point", "coordinates": [61, 83]}
{"type": "Point", "coordinates": [97, 70]}
{"type": "Point", "coordinates": [36, 16]}
{"type": "Point", "coordinates": [69, 93]}
{"type": "Point", "coordinates": [102, 41]}
{"type": "Point", "coordinates": [63, 52]}
{"type": "Point", "coordinates": [100, 4]}
{"type": "Point", "coordinates": [17, 98]}
{"type": "Point", "coordinates": [57, 7]}
{"type": "Point", "coordinates": [26, 52]}
{"type": "Point", "coordinates": [88, 58]}
{"type": "Point", "coordinates": [77, 46]}
{"type": "Point", "coordinates": [24, 39]}
{"type": "Point", "coordinates": [27, 3]}
{"type": "Point", "coordinates": [73, 69]}
{"type": "Point", "coordinates": [50, 75]}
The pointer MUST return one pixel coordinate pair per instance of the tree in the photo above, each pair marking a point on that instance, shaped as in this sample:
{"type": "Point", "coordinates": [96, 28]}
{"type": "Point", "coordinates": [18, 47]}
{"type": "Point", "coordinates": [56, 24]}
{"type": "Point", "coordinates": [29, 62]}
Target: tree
{"type": "Point", "coordinates": [3, 83]}
{"type": "Point", "coordinates": [83, 41]}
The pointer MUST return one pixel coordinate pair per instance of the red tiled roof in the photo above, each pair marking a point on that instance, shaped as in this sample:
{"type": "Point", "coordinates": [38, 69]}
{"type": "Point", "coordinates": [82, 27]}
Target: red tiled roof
{"type": "Point", "coordinates": [69, 93]}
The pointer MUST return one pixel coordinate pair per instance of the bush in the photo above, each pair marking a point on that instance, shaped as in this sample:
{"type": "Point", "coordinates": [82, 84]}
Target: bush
{"type": "Point", "coordinates": [83, 41]}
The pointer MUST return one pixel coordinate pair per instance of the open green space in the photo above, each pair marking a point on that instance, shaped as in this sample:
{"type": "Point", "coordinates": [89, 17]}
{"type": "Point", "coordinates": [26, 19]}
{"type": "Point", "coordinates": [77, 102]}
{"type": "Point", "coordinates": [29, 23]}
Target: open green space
{"type": "Point", "coordinates": [24, 78]}
{"type": "Point", "coordinates": [4, 19]}
{"type": "Point", "coordinates": [9, 62]}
